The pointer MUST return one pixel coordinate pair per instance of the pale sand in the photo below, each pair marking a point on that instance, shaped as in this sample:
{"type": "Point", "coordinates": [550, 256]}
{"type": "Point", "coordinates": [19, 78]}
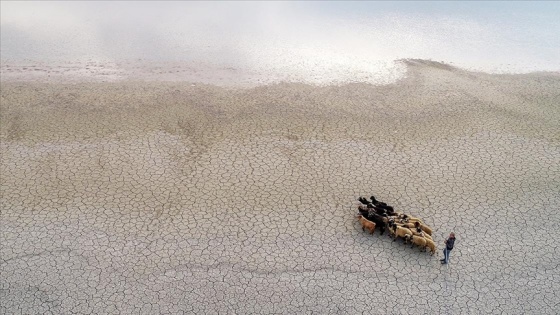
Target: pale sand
{"type": "Point", "coordinates": [148, 198]}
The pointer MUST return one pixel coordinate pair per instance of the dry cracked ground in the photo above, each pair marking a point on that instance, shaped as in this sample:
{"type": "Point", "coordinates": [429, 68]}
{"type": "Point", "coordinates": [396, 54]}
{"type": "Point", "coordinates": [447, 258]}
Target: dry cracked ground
{"type": "Point", "coordinates": [169, 198]}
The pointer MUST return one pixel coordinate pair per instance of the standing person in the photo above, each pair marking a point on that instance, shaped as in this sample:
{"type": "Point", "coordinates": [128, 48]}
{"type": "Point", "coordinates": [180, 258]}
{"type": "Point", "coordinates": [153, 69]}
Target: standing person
{"type": "Point", "coordinates": [449, 242]}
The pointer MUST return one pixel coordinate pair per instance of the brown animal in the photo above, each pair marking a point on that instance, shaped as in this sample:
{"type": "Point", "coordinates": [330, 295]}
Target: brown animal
{"type": "Point", "coordinates": [423, 227]}
{"type": "Point", "coordinates": [418, 240]}
{"type": "Point", "coordinates": [426, 229]}
{"type": "Point", "coordinates": [405, 218]}
{"type": "Point", "coordinates": [431, 245]}
{"type": "Point", "coordinates": [415, 220]}
{"type": "Point", "coordinates": [417, 230]}
{"type": "Point", "coordinates": [427, 236]}
{"type": "Point", "coordinates": [420, 233]}
{"type": "Point", "coordinates": [406, 225]}
{"type": "Point", "coordinates": [398, 231]}
{"type": "Point", "coordinates": [366, 224]}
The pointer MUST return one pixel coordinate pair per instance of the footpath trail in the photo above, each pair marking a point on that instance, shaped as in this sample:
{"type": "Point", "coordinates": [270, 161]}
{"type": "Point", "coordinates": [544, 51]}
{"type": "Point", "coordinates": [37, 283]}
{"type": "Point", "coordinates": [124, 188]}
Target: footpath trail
{"type": "Point", "coordinates": [168, 198]}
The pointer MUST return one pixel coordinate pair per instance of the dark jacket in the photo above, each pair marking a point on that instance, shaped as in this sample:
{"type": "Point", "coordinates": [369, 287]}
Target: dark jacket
{"type": "Point", "coordinates": [449, 243]}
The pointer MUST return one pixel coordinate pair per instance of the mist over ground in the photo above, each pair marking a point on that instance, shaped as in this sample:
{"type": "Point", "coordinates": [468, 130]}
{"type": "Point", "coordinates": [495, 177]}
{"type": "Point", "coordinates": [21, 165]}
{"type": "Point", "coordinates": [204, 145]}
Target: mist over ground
{"type": "Point", "coordinates": [311, 42]}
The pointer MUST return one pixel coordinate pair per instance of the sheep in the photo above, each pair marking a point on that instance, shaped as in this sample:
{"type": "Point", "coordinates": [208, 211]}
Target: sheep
{"type": "Point", "coordinates": [418, 232]}
{"type": "Point", "coordinates": [380, 211]}
{"type": "Point", "coordinates": [367, 211]}
{"type": "Point", "coordinates": [398, 222]}
{"type": "Point", "coordinates": [419, 227]}
{"type": "Point", "coordinates": [363, 212]}
{"type": "Point", "coordinates": [403, 224]}
{"type": "Point", "coordinates": [414, 220]}
{"type": "Point", "coordinates": [382, 214]}
{"type": "Point", "coordinates": [426, 229]}
{"type": "Point", "coordinates": [398, 231]}
{"type": "Point", "coordinates": [363, 209]}
{"type": "Point", "coordinates": [408, 225]}
{"type": "Point", "coordinates": [366, 224]}
{"type": "Point", "coordinates": [407, 218]}
{"type": "Point", "coordinates": [417, 240]}
{"type": "Point", "coordinates": [401, 232]}
{"type": "Point", "coordinates": [391, 226]}
{"type": "Point", "coordinates": [363, 201]}
{"type": "Point", "coordinates": [403, 215]}
{"type": "Point", "coordinates": [379, 220]}
{"type": "Point", "coordinates": [421, 234]}
{"type": "Point", "coordinates": [431, 245]}
{"type": "Point", "coordinates": [403, 218]}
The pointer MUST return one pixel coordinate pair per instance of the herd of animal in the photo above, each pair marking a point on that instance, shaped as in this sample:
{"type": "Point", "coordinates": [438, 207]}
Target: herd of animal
{"type": "Point", "coordinates": [375, 214]}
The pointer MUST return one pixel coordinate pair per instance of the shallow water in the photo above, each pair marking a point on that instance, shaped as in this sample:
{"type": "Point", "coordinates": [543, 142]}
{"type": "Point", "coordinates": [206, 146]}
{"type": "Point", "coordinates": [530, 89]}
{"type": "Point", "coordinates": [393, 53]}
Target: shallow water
{"type": "Point", "coordinates": [318, 43]}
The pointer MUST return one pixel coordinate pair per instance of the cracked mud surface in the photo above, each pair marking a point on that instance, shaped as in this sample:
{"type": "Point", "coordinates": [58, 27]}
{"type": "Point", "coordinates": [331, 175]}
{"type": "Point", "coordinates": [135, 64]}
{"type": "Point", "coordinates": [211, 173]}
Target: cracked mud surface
{"type": "Point", "coordinates": [167, 198]}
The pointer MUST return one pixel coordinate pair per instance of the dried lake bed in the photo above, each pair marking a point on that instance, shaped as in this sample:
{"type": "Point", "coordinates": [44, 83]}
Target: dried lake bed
{"type": "Point", "coordinates": [137, 197]}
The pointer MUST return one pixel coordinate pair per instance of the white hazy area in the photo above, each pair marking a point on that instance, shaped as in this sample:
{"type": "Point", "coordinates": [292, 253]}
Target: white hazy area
{"type": "Point", "coordinates": [320, 43]}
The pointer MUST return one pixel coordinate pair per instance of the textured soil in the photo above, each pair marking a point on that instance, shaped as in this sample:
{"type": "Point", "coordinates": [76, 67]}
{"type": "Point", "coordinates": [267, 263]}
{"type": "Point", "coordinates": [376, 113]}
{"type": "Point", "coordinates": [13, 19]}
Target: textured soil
{"type": "Point", "coordinates": [168, 197]}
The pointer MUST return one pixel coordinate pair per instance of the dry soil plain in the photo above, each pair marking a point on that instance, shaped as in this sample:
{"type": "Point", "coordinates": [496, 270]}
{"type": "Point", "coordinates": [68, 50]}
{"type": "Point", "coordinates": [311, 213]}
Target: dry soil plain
{"type": "Point", "coordinates": [168, 198]}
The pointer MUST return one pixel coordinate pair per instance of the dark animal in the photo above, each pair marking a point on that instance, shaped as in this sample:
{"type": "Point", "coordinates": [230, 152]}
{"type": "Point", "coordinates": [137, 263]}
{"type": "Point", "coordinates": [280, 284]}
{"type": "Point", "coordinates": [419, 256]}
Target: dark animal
{"type": "Point", "coordinates": [379, 211]}
{"type": "Point", "coordinates": [363, 211]}
{"type": "Point", "coordinates": [385, 206]}
{"type": "Point", "coordinates": [379, 220]}
{"type": "Point", "coordinates": [363, 201]}
{"type": "Point", "coordinates": [376, 203]}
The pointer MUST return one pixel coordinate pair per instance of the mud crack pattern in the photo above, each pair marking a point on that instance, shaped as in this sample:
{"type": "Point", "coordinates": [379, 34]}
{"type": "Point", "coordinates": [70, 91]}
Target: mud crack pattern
{"type": "Point", "coordinates": [167, 198]}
